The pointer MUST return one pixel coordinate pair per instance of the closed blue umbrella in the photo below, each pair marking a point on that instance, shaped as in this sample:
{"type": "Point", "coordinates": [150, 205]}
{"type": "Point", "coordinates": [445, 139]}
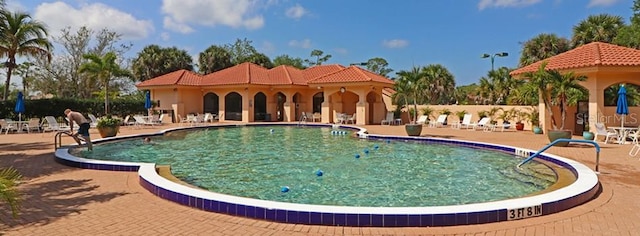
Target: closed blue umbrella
{"type": "Point", "coordinates": [622, 107]}
{"type": "Point", "coordinates": [147, 102]}
{"type": "Point", "coordinates": [20, 106]}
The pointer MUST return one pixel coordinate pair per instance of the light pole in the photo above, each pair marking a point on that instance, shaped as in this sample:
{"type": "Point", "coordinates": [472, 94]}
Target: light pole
{"type": "Point", "coordinates": [500, 54]}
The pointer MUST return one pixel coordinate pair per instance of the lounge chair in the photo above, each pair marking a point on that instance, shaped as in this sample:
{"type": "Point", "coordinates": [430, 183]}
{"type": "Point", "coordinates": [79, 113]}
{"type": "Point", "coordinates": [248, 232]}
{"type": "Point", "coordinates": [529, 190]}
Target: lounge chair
{"type": "Point", "coordinates": [140, 120]}
{"type": "Point", "coordinates": [94, 120]}
{"type": "Point", "coordinates": [439, 122]}
{"type": "Point", "coordinates": [423, 119]}
{"type": "Point", "coordinates": [607, 133]}
{"type": "Point", "coordinates": [316, 117]}
{"type": "Point", "coordinates": [466, 122]}
{"type": "Point", "coordinates": [388, 120]}
{"type": "Point", "coordinates": [482, 124]}
{"type": "Point", "coordinates": [351, 119]}
{"type": "Point", "coordinates": [51, 124]}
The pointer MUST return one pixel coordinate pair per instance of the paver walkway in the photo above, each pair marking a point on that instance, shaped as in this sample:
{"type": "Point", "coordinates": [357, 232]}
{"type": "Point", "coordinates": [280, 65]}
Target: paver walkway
{"type": "Point", "coordinates": [61, 200]}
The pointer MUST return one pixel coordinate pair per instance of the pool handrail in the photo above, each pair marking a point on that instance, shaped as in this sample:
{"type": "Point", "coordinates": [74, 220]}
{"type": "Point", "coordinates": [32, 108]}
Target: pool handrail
{"type": "Point", "coordinates": [595, 144]}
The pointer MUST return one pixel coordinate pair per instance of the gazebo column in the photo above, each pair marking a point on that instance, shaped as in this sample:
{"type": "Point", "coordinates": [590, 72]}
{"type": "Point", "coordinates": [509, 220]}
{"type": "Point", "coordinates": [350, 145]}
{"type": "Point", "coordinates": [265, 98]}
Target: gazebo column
{"type": "Point", "coordinates": [221, 108]}
{"type": "Point", "coordinates": [596, 97]}
{"type": "Point", "coordinates": [289, 108]}
{"type": "Point", "coordinates": [362, 108]}
{"type": "Point", "coordinates": [247, 107]}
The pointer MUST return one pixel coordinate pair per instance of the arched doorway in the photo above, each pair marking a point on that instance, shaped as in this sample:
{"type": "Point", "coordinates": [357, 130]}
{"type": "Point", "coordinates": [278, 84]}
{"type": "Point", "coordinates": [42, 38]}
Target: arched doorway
{"type": "Point", "coordinates": [233, 106]}
{"type": "Point", "coordinates": [210, 103]}
{"type": "Point", "coordinates": [281, 98]}
{"type": "Point", "coordinates": [371, 100]}
{"type": "Point", "coordinates": [318, 99]}
{"type": "Point", "coordinates": [260, 107]}
{"type": "Point", "coordinates": [297, 99]}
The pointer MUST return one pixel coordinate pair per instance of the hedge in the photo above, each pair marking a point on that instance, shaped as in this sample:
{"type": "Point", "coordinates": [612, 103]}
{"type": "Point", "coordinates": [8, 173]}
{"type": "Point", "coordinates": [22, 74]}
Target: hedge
{"type": "Point", "coordinates": [56, 106]}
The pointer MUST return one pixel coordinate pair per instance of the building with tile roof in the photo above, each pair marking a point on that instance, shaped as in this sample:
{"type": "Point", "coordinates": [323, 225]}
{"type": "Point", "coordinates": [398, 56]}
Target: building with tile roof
{"type": "Point", "coordinates": [249, 92]}
{"type": "Point", "coordinates": [604, 65]}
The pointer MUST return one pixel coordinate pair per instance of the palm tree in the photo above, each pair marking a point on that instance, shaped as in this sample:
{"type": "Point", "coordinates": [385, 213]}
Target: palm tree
{"type": "Point", "coordinates": [410, 85]}
{"type": "Point", "coordinates": [21, 36]}
{"type": "Point", "coordinates": [597, 28]}
{"type": "Point", "coordinates": [542, 47]}
{"type": "Point", "coordinates": [9, 178]}
{"type": "Point", "coordinates": [104, 69]}
{"type": "Point", "coordinates": [440, 84]}
{"type": "Point", "coordinates": [557, 88]}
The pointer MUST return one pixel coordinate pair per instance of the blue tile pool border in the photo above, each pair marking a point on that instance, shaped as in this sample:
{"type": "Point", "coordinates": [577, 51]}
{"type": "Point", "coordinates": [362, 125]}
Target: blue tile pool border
{"type": "Point", "coordinates": [585, 188]}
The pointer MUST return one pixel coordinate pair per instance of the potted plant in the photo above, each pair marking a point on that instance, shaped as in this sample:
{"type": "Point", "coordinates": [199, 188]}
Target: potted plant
{"type": "Point", "coordinates": [427, 111]}
{"type": "Point", "coordinates": [586, 134]}
{"type": "Point", "coordinates": [410, 86]}
{"type": "Point", "coordinates": [520, 116]}
{"type": "Point", "coordinates": [506, 116]}
{"type": "Point", "coordinates": [460, 115]}
{"type": "Point", "coordinates": [108, 126]}
{"type": "Point", "coordinates": [557, 88]}
{"type": "Point", "coordinates": [534, 120]}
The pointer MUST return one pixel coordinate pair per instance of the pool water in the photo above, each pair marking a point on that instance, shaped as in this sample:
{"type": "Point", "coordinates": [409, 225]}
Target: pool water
{"type": "Point", "coordinates": [257, 162]}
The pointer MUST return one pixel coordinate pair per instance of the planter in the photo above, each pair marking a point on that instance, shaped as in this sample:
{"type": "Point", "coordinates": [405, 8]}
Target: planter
{"type": "Point", "coordinates": [537, 130]}
{"type": "Point", "coordinates": [506, 125]}
{"type": "Point", "coordinates": [109, 131]}
{"type": "Point", "coordinates": [588, 135]}
{"type": "Point", "coordinates": [558, 134]}
{"type": "Point", "coordinates": [520, 126]}
{"type": "Point", "coordinates": [413, 129]}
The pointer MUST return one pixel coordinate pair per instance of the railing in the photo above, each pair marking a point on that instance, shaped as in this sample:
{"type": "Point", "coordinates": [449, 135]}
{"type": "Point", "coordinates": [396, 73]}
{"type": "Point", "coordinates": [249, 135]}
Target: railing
{"type": "Point", "coordinates": [564, 140]}
{"type": "Point", "coordinates": [57, 140]}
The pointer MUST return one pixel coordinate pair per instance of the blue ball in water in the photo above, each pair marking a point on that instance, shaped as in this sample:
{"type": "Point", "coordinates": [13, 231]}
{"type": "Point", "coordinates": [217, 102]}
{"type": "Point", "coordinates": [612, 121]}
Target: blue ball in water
{"type": "Point", "coordinates": [271, 130]}
{"type": "Point", "coordinates": [388, 141]}
{"type": "Point", "coordinates": [375, 147]}
{"type": "Point", "coordinates": [319, 173]}
{"type": "Point", "coordinates": [284, 189]}
{"type": "Point", "coordinates": [357, 156]}
{"type": "Point", "coordinates": [366, 151]}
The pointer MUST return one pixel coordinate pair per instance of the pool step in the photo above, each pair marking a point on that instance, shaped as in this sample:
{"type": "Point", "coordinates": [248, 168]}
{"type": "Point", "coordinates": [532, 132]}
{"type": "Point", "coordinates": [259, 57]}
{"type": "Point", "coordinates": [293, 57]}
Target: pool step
{"type": "Point", "coordinates": [535, 176]}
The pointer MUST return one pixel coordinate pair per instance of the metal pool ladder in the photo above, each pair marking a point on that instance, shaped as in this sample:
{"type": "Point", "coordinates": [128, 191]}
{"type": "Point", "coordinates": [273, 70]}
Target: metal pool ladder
{"type": "Point", "coordinates": [57, 140]}
{"type": "Point", "coordinates": [594, 143]}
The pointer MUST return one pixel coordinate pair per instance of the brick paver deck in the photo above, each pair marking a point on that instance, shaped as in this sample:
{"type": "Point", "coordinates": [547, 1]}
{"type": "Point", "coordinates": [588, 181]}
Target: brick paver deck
{"type": "Point", "coordinates": [60, 200]}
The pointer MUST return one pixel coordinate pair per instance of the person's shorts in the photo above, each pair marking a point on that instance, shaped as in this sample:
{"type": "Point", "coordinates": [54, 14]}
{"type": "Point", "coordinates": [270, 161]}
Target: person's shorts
{"type": "Point", "coordinates": [84, 129]}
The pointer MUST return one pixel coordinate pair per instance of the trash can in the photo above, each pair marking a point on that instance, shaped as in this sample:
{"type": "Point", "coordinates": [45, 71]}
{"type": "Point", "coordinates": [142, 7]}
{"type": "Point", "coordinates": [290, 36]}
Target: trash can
{"type": "Point", "coordinates": [267, 117]}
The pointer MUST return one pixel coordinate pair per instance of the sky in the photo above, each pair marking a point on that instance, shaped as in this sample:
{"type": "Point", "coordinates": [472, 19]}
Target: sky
{"type": "Point", "coordinates": [406, 33]}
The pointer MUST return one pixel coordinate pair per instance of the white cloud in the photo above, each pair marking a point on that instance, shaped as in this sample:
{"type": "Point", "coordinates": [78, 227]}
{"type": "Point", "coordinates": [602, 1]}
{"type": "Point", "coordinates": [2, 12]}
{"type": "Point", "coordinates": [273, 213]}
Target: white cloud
{"type": "Point", "coordinates": [15, 6]}
{"type": "Point", "coordinates": [395, 43]}
{"type": "Point", "coordinates": [601, 3]}
{"type": "Point", "coordinates": [96, 16]}
{"type": "Point", "coordinates": [505, 3]}
{"type": "Point", "coordinates": [165, 36]}
{"type": "Point", "coordinates": [305, 43]}
{"type": "Point", "coordinates": [296, 12]}
{"type": "Point", "coordinates": [233, 13]}
{"type": "Point", "coordinates": [175, 26]}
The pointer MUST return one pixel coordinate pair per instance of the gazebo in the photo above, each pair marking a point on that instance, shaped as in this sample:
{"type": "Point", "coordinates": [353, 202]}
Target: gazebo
{"type": "Point", "coordinates": [604, 65]}
{"type": "Point", "coordinates": [248, 92]}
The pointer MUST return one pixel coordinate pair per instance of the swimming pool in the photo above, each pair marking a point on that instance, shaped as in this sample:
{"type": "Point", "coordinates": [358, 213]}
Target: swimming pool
{"type": "Point", "coordinates": [578, 192]}
{"type": "Point", "coordinates": [325, 166]}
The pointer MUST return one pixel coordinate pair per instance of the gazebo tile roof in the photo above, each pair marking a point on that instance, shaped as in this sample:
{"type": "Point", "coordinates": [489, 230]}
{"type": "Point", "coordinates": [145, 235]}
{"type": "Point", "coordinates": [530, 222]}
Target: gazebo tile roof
{"type": "Point", "coordinates": [350, 74]}
{"type": "Point", "coordinates": [589, 55]}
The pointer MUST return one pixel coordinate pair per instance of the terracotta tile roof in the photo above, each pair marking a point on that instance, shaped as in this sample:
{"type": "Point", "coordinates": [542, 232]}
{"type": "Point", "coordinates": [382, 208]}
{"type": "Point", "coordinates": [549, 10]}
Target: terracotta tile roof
{"type": "Point", "coordinates": [312, 73]}
{"type": "Point", "coordinates": [284, 75]}
{"type": "Point", "coordinates": [245, 73]}
{"type": "Point", "coordinates": [179, 77]}
{"type": "Point", "coordinates": [589, 55]}
{"type": "Point", "coordinates": [351, 74]}
{"type": "Point", "coordinates": [248, 73]}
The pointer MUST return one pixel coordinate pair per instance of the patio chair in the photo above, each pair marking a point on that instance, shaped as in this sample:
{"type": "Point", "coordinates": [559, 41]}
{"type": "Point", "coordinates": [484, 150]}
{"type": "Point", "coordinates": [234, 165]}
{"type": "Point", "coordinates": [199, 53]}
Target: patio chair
{"type": "Point", "coordinates": [140, 120]}
{"type": "Point", "coordinates": [34, 124]}
{"type": "Point", "coordinates": [607, 133]}
{"type": "Point", "coordinates": [351, 119]}
{"type": "Point", "coordinates": [388, 120]}
{"type": "Point", "coordinates": [127, 121]}
{"type": "Point", "coordinates": [316, 117]}
{"type": "Point", "coordinates": [439, 122]}
{"type": "Point", "coordinates": [6, 126]}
